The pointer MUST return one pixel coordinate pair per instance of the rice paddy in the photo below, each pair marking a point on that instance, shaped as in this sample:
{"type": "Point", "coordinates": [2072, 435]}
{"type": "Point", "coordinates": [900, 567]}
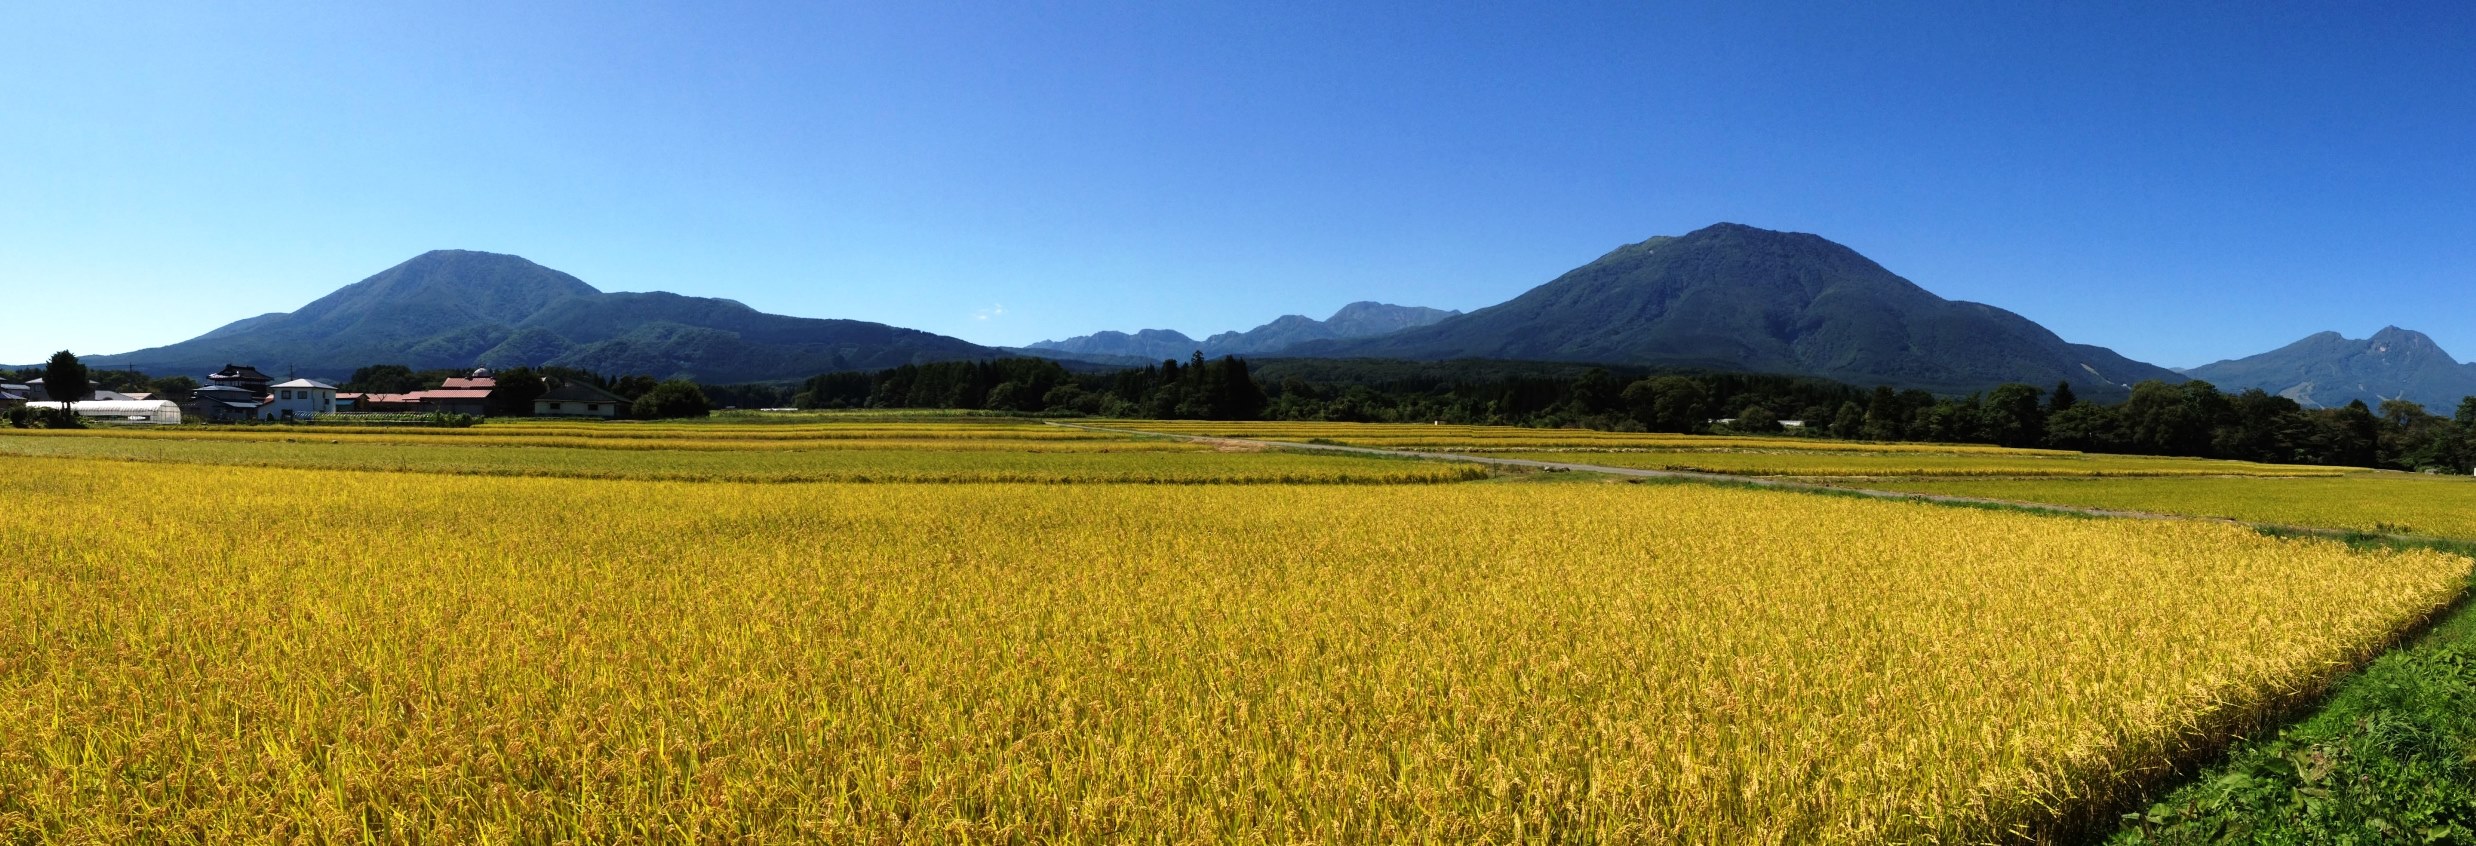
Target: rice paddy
{"type": "Point", "coordinates": [973, 632]}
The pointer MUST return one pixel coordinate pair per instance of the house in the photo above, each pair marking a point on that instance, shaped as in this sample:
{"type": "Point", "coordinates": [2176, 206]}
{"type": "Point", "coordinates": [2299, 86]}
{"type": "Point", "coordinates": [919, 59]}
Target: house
{"type": "Point", "coordinates": [299, 399]}
{"type": "Point", "coordinates": [13, 395]}
{"type": "Point", "coordinates": [242, 376]}
{"type": "Point", "coordinates": [349, 401]}
{"type": "Point", "coordinates": [390, 403]}
{"type": "Point", "coordinates": [220, 403]}
{"type": "Point", "coordinates": [448, 401]}
{"type": "Point", "coordinates": [573, 398]}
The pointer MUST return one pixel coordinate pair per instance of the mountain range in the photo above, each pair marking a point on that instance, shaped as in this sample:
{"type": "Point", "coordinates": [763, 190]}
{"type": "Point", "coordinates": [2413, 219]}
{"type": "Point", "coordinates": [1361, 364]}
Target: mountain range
{"type": "Point", "coordinates": [2328, 369]}
{"type": "Point", "coordinates": [457, 308]}
{"type": "Point", "coordinates": [1356, 320]}
{"type": "Point", "coordinates": [1727, 297]}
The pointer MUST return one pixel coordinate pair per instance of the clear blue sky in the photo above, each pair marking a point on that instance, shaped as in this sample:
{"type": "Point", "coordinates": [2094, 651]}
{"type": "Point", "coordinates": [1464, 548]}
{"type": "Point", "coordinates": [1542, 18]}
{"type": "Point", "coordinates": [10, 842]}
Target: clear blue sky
{"type": "Point", "coordinates": [2179, 185]}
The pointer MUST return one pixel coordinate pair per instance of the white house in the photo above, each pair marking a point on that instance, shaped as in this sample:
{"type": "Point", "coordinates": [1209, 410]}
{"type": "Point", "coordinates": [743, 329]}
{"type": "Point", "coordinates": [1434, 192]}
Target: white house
{"type": "Point", "coordinates": [299, 399]}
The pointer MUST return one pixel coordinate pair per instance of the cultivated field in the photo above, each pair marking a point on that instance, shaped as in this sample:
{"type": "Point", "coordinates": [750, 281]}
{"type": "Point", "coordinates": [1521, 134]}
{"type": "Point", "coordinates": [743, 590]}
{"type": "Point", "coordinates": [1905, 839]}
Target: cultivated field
{"type": "Point", "coordinates": [2386, 503]}
{"type": "Point", "coordinates": [197, 650]}
{"type": "Point", "coordinates": [1737, 455]}
{"type": "Point", "coordinates": [918, 453]}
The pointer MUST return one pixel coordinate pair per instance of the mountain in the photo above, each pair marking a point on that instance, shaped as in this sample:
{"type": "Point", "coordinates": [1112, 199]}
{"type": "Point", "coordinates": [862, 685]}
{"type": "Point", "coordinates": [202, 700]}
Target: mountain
{"type": "Point", "coordinates": [1356, 320]}
{"type": "Point", "coordinates": [1733, 297]}
{"type": "Point", "coordinates": [2328, 370]}
{"type": "Point", "coordinates": [1149, 345]}
{"type": "Point", "coordinates": [456, 308]}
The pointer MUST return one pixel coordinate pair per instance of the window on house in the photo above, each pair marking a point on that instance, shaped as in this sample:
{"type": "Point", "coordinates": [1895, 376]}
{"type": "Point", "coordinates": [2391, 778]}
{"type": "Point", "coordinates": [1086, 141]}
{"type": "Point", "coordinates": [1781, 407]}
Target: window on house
{"type": "Point", "coordinates": [593, 406]}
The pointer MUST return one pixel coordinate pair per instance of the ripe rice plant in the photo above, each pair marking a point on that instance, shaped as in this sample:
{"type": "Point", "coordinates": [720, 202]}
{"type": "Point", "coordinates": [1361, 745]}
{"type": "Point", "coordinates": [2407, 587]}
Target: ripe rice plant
{"type": "Point", "coordinates": [1089, 460]}
{"type": "Point", "coordinates": [2384, 503]}
{"type": "Point", "coordinates": [278, 654]}
{"type": "Point", "coordinates": [1813, 463]}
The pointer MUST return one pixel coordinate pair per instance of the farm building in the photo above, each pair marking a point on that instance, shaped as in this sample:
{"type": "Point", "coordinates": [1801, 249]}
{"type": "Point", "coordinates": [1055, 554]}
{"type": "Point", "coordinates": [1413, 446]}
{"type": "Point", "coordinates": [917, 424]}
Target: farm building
{"type": "Point", "coordinates": [134, 411]}
{"type": "Point", "coordinates": [481, 380]}
{"type": "Point", "coordinates": [473, 402]}
{"type": "Point", "coordinates": [219, 403]}
{"type": "Point", "coordinates": [578, 399]}
{"type": "Point", "coordinates": [242, 376]}
{"type": "Point", "coordinates": [299, 399]}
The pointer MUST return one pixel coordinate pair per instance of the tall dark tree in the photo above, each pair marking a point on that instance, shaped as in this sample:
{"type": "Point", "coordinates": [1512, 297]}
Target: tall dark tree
{"type": "Point", "coordinates": [2062, 398]}
{"type": "Point", "coordinates": [2011, 416]}
{"type": "Point", "coordinates": [65, 378]}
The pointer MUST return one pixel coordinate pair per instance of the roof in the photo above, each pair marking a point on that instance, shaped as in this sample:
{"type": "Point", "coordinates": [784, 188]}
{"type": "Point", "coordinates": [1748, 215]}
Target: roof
{"type": "Point", "coordinates": [304, 383]}
{"type": "Point", "coordinates": [388, 397]}
{"type": "Point", "coordinates": [462, 383]}
{"type": "Point", "coordinates": [448, 395]}
{"type": "Point", "coordinates": [575, 391]}
{"type": "Point", "coordinates": [240, 371]}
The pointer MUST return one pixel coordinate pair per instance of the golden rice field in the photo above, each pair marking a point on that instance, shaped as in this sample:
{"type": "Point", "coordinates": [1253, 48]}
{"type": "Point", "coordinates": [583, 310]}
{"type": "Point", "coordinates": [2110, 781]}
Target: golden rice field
{"type": "Point", "coordinates": [1089, 458]}
{"type": "Point", "coordinates": [1513, 438]}
{"type": "Point", "coordinates": [251, 654]}
{"type": "Point", "coordinates": [1735, 455]}
{"type": "Point", "coordinates": [1815, 463]}
{"type": "Point", "coordinates": [2387, 503]}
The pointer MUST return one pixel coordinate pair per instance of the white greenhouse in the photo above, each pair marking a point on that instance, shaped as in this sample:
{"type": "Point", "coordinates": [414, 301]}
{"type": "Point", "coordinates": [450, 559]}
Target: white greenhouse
{"type": "Point", "coordinates": [134, 411]}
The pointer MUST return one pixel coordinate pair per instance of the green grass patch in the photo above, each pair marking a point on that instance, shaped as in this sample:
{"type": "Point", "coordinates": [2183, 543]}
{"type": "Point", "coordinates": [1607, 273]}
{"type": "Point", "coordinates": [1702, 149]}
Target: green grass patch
{"type": "Point", "coordinates": [2391, 758]}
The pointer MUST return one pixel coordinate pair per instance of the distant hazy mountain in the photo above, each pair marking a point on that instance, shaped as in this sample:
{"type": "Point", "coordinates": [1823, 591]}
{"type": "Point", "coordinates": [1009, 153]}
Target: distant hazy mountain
{"type": "Point", "coordinates": [1356, 320]}
{"type": "Point", "coordinates": [1149, 345]}
{"type": "Point", "coordinates": [2328, 370]}
{"type": "Point", "coordinates": [1734, 297]}
{"type": "Point", "coordinates": [454, 308]}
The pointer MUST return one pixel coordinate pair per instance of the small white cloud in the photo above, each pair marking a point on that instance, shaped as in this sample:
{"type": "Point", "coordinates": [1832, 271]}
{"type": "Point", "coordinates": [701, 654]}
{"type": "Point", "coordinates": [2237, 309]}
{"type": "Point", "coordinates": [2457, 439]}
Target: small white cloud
{"type": "Point", "coordinates": [992, 312]}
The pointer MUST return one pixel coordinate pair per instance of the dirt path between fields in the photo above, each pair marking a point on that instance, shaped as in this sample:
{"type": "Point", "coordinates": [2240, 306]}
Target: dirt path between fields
{"type": "Point", "coordinates": [1708, 478]}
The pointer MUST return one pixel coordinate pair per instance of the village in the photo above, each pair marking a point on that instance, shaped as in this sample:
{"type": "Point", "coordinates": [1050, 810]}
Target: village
{"type": "Point", "coordinates": [240, 393]}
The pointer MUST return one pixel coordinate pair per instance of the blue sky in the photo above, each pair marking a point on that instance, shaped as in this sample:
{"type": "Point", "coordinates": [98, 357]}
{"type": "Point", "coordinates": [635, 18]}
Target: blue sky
{"type": "Point", "coordinates": [2181, 185]}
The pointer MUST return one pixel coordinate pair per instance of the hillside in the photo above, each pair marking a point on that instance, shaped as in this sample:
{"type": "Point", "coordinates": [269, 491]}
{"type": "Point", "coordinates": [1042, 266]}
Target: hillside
{"type": "Point", "coordinates": [1733, 297]}
{"type": "Point", "coordinates": [456, 308]}
{"type": "Point", "coordinates": [2328, 370]}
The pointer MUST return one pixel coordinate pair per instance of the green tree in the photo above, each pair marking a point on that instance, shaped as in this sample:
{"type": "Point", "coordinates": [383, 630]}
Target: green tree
{"type": "Point", "coordinates": [174, 388]}
{"type": "Point", "coordinates": [1757, 420]}
{"type": "Point", "coordinates": [383, 379]}
{"type": "Point", "coordinates": [1850, 423]}
{"type": "Point", "coordinates": [1667, 403]}
{"type": "Point", "coordinates": [64, 379]}
{"type": "Point", "coordinates": [2063, 398]}
{"type": "Point", "coordinates": [2011, 416]}
{"type": "Point", "coordinates": [672, 399]}
{"type": "Point", "coordinates": [515, 392]}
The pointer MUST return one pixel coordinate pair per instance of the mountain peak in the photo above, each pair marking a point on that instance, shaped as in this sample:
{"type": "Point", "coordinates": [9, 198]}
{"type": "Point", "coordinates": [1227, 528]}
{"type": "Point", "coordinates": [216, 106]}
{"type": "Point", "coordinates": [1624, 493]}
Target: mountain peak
{"type": "Point", "coordinates": [458, 308]}
{"type": "Point", "coordinates": [1730, 296]}
{"type": "Point", "coordinates": [2392, 336]}
{"type": "Point", "coordinates": [2327, 369]}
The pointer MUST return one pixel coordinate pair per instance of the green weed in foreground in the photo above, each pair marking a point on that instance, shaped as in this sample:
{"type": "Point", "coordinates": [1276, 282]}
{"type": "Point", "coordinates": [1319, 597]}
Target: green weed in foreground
{"type": "Point", "coordinates": [2391, 759]}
